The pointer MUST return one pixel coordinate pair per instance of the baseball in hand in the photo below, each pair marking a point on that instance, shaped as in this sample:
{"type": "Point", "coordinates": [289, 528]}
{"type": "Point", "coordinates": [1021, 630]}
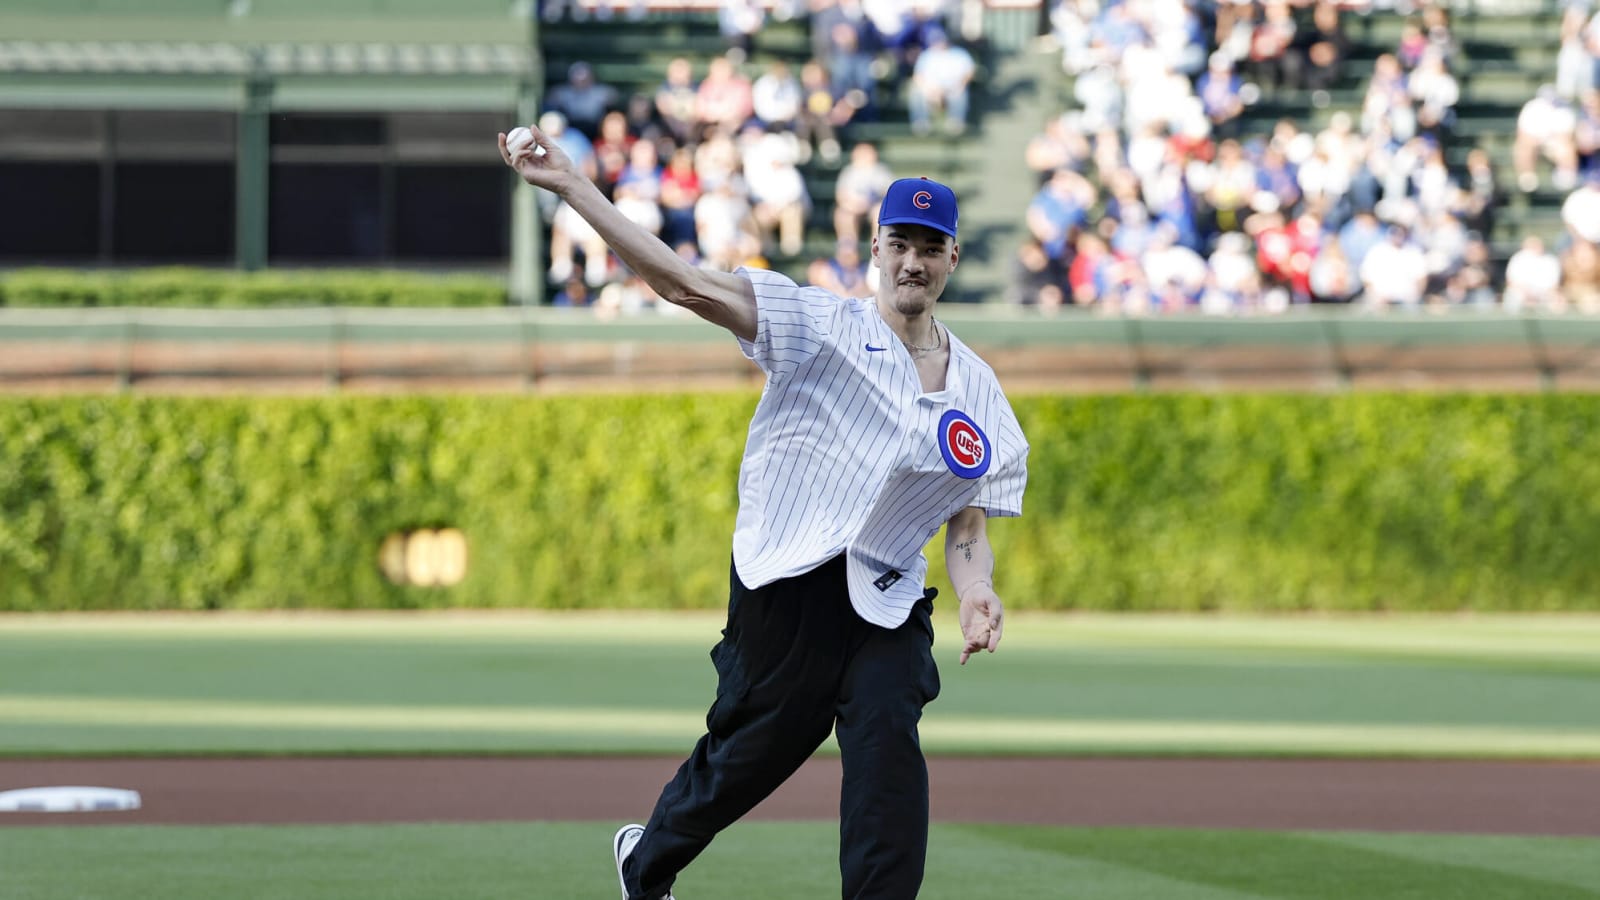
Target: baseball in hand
{"type": "Point", "coordinates": [518, 140]}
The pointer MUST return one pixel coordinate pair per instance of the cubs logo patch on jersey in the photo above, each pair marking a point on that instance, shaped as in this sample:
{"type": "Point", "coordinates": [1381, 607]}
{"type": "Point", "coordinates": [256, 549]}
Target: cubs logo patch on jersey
{"type": "Point", "coordinates": [963, 444]}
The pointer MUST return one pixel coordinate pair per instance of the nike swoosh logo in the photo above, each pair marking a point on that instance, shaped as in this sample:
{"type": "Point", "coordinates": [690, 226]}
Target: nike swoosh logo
{"type": "Point", "coordinates": [876, 349]}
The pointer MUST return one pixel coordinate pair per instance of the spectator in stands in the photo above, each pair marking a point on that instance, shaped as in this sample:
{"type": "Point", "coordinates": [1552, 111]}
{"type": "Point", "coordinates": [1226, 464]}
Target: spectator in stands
{"type": "Point", "coordinates": [574, 293]}
{"type": "Point", "coordinates": [582, 99]}
{"type": "Point", "coordinates": [821, 113]}
{"type": "Point", "coordinates": [1275, 175]}
{"type": "Point", "coordinates": [1331, 279]}
{"type": "Point", "coordinates": [1062, 145]}
{"type": "Point", "coordinates": [627, 296]}
{"type": "Point", "coordinates": [1124, 194]}
{"type": "Point", "coordinates": [1546, 127]}
{"type": "Point", "coordinates": [1285, 251]}
{"type": "Point", "coordinates": [858, 191]}
{"type": "Point", "coordinates": [1441, 37]}
{"type": "Point", "coordinates": [1413, 42]}
{"type": "Point", "coordinates": [724, 101]}
{"type": "Point", "coordinates": [680, 190]}
{"type": "Point", "coordinates": [639, 114]}
{"type": "Point", "coordinates": [1386, 108]}
{"type": "Point", "coordinates": [778, 195]}
{"type": "Point", "coordinates": [717, 159]}
{"type": "Point", "coordinates": [612, 150]}
{"type": "Point", "coordinates": [1359, 236]}
{"type": "Point", "coordinates": [824, 14]}
{"type": "Point", "coordinates": [1575, 61]}
{"type": "Point", "coordinates": [847, 57]}
{"type": "Point", "coordinates": [738, 21]}
{"type": "Point", "coordinates": [575, 145]}
{"type": "Point", "coordinates": [1586, 131]}
{"type": "Point", "coordinates": [1394, 273]}
{"type": "Point", "coordinates": [1089, 275]}
{"type": "Point", "coordinates": [1069, 29]}
{"type": "Point", "coordinates": [1058, 211]}
{"type": "Point", "coordinates": [642, 174]}
{"type": "Point", "coordinates": [1154, 95]}
{"type": "Point", "coordinates": [1099, 91]}
{"type": "Point", "coordinates": [844, 274]}
{"type": "Point", "coordinates": [677, 101]}
{"type": "Point", "coordinates": [1273, 59]}
{"type": "Point", "coordinates": [1581, 211]}
{"type": "Point", "coordinates": [1580, 277]}
{"type": "Point", "coordinates": [939, 83]}
{"type": "Point", "coordinates": [1233, 185]}
{"type": "Point", "coordinates": [1175, 273]}
{"type": "Point", "coordinates": [850, 271]}
{"type": "Point", "coordinates": [1432, 186]}
{"type": "Point", "coordinates": [1324, 48]}
{"type": "Point", "coordinates": [1235, 30]}
{"type": "Point", "coordinates": [636, 207]}
{"type": "Point", "coordinates": [1232, 274]}
{"type": "Point", "coordinates": [1036, 279]}
{"type": "Point", "coordinates": [1178, 34]}
{"type": "Point", "coordinates": [1481, 195]}
{"type": "Point", "coordinates": [1472, 285]}
{"type": "Point", "coordinates": [1444, 245]}
{"type": "Point", "coordinates": [1131, 231]}
{"type": "Point", "coordinates": [1533, 279]}
{"type": "Point", "coordinates": [1434, 93]}
{"type": "Point", "coordinates": [891, 34]}
{"type": "Point", "coordinates": [726, 231]}
{"type": "Point", "coordinates": [776, 98]}
{"type": "Point", "coordinates": [1218, 90]}
{"type": "Point", "coordinates": [569, 235]}
{"type": "Point", "coordinates": [1323, 183]}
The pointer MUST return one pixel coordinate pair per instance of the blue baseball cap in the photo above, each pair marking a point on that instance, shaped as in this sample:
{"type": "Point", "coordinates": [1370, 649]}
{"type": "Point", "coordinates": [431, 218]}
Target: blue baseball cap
{"type": "Point", "coordinates": [919, 201]}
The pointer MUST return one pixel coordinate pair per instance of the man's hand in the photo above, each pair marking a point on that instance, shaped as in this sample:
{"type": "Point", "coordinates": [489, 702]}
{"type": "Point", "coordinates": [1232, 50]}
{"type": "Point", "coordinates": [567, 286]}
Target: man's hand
{"type": "Point", "coordinates": [982, 619]}
{"type": "Point", "coordinates": [552, 170]}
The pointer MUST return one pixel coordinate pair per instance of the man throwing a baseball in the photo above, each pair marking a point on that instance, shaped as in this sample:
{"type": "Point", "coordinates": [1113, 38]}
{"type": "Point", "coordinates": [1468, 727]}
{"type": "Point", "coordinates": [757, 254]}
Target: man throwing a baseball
{"type": "Point", "coordinates": [876, 428]}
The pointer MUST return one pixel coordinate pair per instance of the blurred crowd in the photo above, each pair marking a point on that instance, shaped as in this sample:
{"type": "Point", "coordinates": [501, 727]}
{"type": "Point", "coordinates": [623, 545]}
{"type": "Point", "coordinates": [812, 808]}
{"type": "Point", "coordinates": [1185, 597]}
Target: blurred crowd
{"type": "Point", "coordinates": [1151, 200]}
{"type": "Point", "coordinates": [711, 160]}
{"type": "Point", "coordinates": [1151, 196]}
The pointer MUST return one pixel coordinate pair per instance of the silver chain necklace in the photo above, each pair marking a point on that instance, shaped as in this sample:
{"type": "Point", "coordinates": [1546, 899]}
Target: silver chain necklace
{"type": "Point", "coordinates": [937, 341]}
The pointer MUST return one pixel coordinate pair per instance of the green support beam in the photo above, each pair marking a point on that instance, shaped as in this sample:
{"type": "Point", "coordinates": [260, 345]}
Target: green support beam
{"type": "Point", "coordinates": [527, 231]}
{"type": "Point", "coordinates": [252, 164]}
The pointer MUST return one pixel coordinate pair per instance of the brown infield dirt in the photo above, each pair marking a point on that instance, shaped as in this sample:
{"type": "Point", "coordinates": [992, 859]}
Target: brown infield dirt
{"type": "Point", "coordinates": [1498, 797]}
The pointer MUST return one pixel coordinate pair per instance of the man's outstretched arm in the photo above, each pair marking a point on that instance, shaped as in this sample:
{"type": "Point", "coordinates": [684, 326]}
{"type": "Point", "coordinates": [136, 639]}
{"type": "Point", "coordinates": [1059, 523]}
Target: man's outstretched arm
{"type": "Point", "coordinates": [970, 562]}
{"type": "Point", "coordinates": [720, 298]}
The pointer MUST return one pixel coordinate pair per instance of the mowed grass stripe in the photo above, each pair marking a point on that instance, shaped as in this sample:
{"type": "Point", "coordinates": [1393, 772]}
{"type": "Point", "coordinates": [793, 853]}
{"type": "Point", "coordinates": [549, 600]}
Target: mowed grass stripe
{"type": "Point", "coordinates": [1311, 866]}
{"type": "Point", "coordinates": [609, 683]}
{"type": "Point", "coordinates": [783, 861]}
{"type": "Point", "coordinates": [1490, 636]}
{"type": "Point", "coordinates": [677, 728]}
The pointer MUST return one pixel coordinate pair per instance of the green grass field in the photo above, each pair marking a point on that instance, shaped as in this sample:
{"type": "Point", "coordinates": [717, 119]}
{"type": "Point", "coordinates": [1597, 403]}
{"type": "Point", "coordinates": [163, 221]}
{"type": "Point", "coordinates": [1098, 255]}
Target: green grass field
{"type": "Point", "coordinates": [782, 861]}
{"type": "Point", "coordinates": [541, 683]}
{"type": "Point", "coordinates": [546, 683]}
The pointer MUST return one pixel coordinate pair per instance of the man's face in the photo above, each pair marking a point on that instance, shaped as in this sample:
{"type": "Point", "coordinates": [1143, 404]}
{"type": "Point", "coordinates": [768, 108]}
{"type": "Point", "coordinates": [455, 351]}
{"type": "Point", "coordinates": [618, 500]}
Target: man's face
{"type": "Point", "coordinates": [915, 262]}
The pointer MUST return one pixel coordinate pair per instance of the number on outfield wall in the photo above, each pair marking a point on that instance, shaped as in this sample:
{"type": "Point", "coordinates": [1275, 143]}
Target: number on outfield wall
{"type": "Point", "coordinates": [426, 557]}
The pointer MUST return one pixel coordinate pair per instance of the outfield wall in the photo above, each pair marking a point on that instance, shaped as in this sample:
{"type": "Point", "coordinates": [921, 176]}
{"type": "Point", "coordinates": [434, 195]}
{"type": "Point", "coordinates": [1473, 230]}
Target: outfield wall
{"type": "Point", "coordinates": [1265, 502]}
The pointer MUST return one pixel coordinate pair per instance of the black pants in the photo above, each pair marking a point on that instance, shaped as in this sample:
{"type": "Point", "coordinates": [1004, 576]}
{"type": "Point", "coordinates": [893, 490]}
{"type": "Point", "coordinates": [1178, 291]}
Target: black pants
{"type": "Point", "coordinates": [795, 663]}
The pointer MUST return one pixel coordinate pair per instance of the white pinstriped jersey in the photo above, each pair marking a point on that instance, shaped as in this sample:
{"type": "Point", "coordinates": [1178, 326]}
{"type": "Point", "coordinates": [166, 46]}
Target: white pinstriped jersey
{"type": "Point", "coordinates": [847, 454]}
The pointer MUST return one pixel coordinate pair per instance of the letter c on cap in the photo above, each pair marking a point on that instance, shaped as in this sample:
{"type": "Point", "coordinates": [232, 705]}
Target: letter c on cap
{"type": "Point", "coordinates": [922, 199]}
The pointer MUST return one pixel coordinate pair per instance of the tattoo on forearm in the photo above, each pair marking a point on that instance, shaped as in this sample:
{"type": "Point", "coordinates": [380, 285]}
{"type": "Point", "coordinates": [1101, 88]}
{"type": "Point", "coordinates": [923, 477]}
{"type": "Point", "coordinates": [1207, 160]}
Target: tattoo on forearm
{"type": "Point", "coordinates": [966, 548]}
